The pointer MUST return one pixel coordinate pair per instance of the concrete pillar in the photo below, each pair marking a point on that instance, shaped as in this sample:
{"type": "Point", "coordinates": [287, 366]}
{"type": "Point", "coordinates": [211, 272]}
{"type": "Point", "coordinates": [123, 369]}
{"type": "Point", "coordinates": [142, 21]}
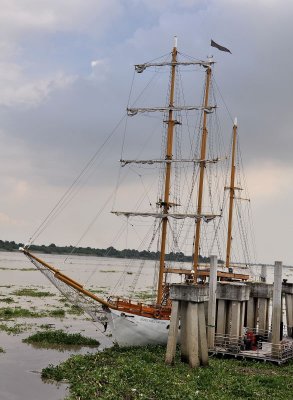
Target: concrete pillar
{"type": "Point", "coordinates": [183, 331]}
{"type": "Point", "coordinates": [228, 316]}
{"type": "Point", "coordinates": [194, 349]}
{"type": "Point", "coordinates": [192, 334]}
{"type": "Point", "coordinates": [251, 313]}
{"type": "Point", "coordinates": [212, 302]}
{"type": "Point", "coordinates": [289, 313]}
{"type": "Point", "coordinates": [262, 316]}
{"type": "Point", "coordinates": [277, 309]}
{"type": "Point", "coordinates": [235, 323]}
{"type": "Point", "coordinates": [242, 316]}
{"type": "Point", "coordinates": [173, 332]}
{"type": "Point", "coordinates": [221, 321]}
{"type": "Point", "coordinates": [202, 336]}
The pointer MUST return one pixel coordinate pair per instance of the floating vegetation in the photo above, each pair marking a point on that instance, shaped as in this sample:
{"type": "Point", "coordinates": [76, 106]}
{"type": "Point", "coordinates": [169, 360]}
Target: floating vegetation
{"type": "Point", "coordinates": [60, 337]}
{"type": "Point", "coordinates": [56, 313]}
{"type": "Point", "coordinates": [75, 310]}
{"type": "Point", "coordinates": [97, 290]}
{"type": "Point", "coordinates": [8, 300]}
{"type": "Point", "coordinates": [2, 350]}
{"type": "Point", "coordinates": [15, 329]}
{"type": "Point", "coordinates": [46, 326]}
{"type": "Point", "coordinates": [110, 270]}
{"type": "Point", "coordinates": [63, 300]}
{"type": "Point", "coordinates": [19, 312]}
{"type": "Point", "coordinates": [140, 373]}
{"type": "Point", "coordinates": [144, 295]}
{"type": "Point", "coordinates": [32, 293]}
{"type": "Point", "coordinates": [17, 269]}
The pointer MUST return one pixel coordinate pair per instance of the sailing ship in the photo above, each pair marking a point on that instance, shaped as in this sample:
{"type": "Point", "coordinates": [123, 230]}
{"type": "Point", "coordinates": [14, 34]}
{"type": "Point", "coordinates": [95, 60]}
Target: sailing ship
{"type": "Point", "coordinates": [135, 322]}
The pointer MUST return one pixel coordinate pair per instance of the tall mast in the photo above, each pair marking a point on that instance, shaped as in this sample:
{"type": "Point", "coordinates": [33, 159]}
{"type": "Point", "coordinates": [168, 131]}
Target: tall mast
{"type": "Point", "coordinates": [201, 173]}
{"type": "Point", "coordinates": [169, 147]}
{"type": "Point", "coordinates": [232, 195]}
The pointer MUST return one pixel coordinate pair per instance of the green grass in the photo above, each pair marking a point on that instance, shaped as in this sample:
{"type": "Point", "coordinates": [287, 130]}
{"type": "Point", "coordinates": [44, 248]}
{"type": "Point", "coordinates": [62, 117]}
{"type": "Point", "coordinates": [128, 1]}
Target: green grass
{"type": "Point", "coordinates": [32, 293]}
{"type": "Point", "coordinates": [140, 373]}
{"type": "Point", "coordinates": [60, 337]}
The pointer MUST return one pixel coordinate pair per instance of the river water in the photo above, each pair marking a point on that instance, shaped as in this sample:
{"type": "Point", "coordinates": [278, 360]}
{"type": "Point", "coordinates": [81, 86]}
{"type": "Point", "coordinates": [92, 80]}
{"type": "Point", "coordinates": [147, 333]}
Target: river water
{"type": "Point", "coordinates": [21, 363]}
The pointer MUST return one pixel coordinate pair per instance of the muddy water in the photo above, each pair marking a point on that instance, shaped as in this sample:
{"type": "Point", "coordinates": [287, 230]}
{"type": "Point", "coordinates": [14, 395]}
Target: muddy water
{"type": "Point", "coordinates": [17, 377]}
{"type": "Point", "coordinates": [20, 366]}
{"type": "Point", "coordinates": [21, 363]}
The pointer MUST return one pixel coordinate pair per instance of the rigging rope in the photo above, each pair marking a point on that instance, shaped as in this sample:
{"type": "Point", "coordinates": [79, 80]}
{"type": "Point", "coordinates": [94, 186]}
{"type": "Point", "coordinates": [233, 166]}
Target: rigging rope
{"type": "Point", "coordinates": [63, 200]}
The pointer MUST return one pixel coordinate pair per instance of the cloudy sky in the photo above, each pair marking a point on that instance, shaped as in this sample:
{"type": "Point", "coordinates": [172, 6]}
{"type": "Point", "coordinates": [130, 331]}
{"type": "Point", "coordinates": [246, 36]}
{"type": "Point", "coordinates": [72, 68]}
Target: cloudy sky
{"type": "Point", "coordinates": [65, 73]}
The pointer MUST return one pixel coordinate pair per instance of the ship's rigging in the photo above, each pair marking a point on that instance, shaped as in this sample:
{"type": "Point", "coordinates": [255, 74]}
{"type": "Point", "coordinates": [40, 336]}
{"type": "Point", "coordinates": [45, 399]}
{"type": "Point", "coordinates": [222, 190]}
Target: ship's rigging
{"type": "Point", "coordinates": [189, 205]}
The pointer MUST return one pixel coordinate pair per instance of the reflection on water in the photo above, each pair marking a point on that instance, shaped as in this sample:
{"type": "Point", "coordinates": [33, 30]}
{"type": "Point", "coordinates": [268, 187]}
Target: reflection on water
{"type": "Point", "coordinates": [18, 366]}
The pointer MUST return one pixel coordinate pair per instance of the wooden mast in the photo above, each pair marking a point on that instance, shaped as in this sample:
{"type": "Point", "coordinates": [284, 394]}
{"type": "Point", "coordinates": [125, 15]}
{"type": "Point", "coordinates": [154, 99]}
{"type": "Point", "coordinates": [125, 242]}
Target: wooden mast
{"type": "Point", "coordinates": [169, 147]}
{"type": "Point", "coordinates": [232, 195]}
{"type": "Point", "coordinates": [201, 174]}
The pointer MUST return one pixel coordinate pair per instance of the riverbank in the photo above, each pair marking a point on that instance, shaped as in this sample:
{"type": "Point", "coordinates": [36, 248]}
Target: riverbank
{"type": "Point", "coordinates": [140, 373]}
{"type": "Point", "coordinates": [110, 252]}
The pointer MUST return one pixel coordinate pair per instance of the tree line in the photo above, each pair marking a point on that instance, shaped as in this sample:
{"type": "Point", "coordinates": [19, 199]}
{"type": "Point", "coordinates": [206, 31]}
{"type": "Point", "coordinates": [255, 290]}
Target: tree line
{"type": "Point", "coordinates": [108, 252]}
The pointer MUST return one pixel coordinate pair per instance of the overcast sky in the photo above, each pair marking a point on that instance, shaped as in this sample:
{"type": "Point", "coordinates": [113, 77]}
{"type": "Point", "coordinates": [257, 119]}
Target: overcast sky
{"type": "Point", "coordinates": [66, 69]}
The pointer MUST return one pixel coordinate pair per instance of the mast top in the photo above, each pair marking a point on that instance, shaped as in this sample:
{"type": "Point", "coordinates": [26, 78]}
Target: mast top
{"type": "Point", "coordinates": [235, 121]}
{"type": "Point", "coordinates": [175, 42]}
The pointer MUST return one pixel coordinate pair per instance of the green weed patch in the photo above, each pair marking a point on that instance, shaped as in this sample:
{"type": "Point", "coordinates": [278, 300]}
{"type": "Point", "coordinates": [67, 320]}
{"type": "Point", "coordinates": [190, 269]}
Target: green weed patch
{"type": "Point", "coordinates": [15, 329]}
{"type": "Point", "coordinates": [32, 293]}
{"type": "Point", "coordinates": [8, 300]}
{"type": "Point", "coordinates": [57, 313]}
{"type": "Point", "coordinates": [140, 373]}
{"type": "Point", "coordinates": [60, 337]}
{"type": "Point", "coordinates": [18, 312]}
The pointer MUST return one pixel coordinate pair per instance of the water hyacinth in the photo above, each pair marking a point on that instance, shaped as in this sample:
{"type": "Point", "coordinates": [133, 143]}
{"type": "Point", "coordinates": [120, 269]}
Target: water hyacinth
{"type": "Point", "coordinates": [140, 373]}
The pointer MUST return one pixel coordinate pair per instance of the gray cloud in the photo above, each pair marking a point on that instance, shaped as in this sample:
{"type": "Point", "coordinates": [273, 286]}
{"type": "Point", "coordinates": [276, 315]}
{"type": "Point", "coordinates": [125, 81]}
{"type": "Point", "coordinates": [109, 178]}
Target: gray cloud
{"type": "Point", "coordinates": [53, 121]}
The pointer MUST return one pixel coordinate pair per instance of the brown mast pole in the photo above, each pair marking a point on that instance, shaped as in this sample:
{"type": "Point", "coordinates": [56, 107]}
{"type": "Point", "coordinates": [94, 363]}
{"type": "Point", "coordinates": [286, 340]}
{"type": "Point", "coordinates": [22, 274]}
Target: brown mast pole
{"type": "Point", "coordinates": [201, 174]}
{"type": "Point", "coordinates": [232, 194]}
{"type": "Point", "coordinates": [165, 204]}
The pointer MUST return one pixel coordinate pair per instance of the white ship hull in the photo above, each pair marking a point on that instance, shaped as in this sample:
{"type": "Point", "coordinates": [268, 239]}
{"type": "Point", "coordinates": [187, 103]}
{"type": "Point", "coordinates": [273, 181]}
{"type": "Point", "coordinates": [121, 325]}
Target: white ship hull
{"type": "Point", "coordinates": [135, 330]}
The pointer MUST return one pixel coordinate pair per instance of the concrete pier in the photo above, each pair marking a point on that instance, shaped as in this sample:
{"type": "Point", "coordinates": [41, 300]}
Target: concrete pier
{"type": "Point", "coordinates": [257, 315]}
{"type": "Point", "coordinates": [287, 289]}
{"type": "Point", "coordinates": [232, 298]}
{"type": "Point", "coordinates": [277, 309]}
{"type": "Point", "coordinates": [212, 302]}
{"type": "Point", "coordinates": [173, 332]}
{"type": "Point", "coordinates": [231, 318]}
{"type": "Point", "coordinates": [221, 326]}
{"type": "Point", "coordinates": [189, 309]}
{"type": "Point", "coordinates": [251, 313]}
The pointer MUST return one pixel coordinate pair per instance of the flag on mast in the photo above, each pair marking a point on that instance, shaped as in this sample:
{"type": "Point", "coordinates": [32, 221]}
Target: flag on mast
{"type": "Point", "coordinates": [219, 47]}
